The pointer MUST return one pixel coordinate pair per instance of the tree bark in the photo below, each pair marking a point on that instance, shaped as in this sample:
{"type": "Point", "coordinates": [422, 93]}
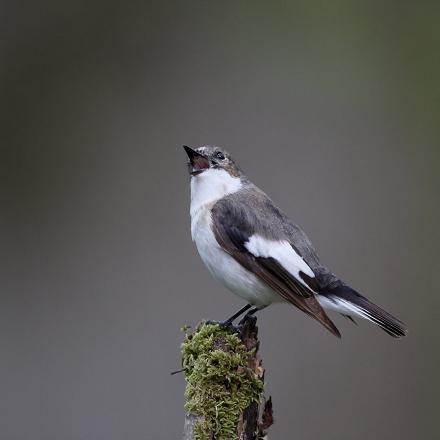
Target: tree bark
{"type": "Point", "coordinates": [255, 419]}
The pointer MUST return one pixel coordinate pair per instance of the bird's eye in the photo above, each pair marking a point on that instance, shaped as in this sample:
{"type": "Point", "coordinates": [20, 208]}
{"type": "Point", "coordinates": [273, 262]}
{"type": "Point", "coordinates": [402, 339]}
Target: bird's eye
{"type": "Point", "coordinates": [219, 155]}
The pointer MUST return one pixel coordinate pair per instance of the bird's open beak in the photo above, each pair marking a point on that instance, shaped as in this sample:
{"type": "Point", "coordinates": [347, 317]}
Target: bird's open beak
{"type": "Point", "coordinates": [197, 162]}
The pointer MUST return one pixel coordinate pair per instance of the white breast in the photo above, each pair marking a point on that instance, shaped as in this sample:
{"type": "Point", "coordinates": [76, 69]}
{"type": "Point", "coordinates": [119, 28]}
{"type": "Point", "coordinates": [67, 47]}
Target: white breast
{"type": "Point", "coordinates": [210, 186]}
{"type": "Point", "coordinates": [206, 189]}
{"type": "Point", "coordinates": [224, 268]}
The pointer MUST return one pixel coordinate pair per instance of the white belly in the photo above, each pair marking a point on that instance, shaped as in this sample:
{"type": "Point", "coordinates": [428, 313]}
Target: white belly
{"type": "Point", "coordinates": [224, 268]}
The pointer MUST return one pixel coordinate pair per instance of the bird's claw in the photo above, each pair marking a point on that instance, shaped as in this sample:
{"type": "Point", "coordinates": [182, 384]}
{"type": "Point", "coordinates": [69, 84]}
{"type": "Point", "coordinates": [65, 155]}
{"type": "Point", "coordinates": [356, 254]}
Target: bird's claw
{"type": "Point", "coordinates": [227, 325]}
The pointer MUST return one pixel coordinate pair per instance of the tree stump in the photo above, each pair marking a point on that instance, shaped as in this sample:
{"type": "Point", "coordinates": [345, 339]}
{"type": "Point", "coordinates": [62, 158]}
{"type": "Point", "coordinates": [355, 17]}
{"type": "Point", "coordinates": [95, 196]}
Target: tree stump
{"type": "Point", "coordinates": [225, 383]}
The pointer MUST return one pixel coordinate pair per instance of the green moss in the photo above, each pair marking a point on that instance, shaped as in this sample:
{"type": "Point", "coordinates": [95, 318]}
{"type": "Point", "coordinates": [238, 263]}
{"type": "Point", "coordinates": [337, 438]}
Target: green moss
{"type": "Point", "coordinates": [220, 386]}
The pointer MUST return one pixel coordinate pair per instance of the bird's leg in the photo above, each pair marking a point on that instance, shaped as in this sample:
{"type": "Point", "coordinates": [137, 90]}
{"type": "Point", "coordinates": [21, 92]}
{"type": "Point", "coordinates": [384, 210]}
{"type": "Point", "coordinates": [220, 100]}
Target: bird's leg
{"type": "Point", "coordinates": [229, 321]}
{"type": "Point", "coordinates": [253, 310]}
{"type": "Point", "coordinates": [237, 314]}
{"type": "Point", "coordinates": [249, 319]}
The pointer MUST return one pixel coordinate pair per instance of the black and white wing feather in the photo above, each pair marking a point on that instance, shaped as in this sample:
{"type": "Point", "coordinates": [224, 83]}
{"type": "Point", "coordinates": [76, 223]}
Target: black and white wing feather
{"type": "Point", "coordinates": [244, 226]}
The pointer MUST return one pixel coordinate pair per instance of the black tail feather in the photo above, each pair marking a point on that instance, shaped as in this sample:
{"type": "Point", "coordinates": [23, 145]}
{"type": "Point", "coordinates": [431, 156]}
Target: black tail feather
{"type": "Point", "coordinates": [350, 318]}
{"type": "Point", "coordinates": [368, 310]}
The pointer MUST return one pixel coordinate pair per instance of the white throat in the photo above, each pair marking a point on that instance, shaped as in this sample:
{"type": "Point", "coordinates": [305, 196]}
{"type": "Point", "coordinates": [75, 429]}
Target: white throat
{"type": "Point", "coordinates": [210, 186]}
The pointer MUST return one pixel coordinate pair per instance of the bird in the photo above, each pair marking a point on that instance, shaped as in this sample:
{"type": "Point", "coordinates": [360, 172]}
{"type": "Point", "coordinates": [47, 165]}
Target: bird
{"type": "Point", "coordinates": [250, 246]}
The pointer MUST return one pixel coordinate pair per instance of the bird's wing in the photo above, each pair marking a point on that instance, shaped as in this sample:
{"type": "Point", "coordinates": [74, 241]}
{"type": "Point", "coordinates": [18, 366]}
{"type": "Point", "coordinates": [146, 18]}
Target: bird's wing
{"type": "Point", "coordinates": [248, 236]}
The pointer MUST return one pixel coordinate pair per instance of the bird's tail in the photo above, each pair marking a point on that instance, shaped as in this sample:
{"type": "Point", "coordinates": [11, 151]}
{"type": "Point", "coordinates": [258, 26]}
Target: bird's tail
{"type": "Point", "coordinates": [349, 302]}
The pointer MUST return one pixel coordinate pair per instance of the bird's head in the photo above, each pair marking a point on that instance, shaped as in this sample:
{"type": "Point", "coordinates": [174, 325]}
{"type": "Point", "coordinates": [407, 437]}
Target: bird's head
{"type": "Point", "coordinates": [210, 158]}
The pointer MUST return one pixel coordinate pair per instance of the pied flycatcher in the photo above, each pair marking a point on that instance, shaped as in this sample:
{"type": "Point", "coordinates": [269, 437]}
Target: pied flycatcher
{"type": "Point", "coordinates": [251, 246]}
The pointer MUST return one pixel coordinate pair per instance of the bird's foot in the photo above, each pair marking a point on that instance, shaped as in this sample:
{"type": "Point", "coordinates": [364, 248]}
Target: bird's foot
{"type": "Point", "coordinates": [249, 317]}
{"type": "Point", "coordinates": [227, 325]}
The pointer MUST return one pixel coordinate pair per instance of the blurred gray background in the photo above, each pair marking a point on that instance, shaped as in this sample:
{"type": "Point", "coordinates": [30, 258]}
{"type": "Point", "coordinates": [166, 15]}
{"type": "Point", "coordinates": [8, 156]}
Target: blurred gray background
{"type": "Point", "coordinates": [331, 107]}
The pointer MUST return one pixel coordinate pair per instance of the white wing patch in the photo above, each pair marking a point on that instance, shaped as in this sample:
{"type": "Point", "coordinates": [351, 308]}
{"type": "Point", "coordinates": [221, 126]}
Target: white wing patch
{"type": "Point", "coordinates": [281, 251]}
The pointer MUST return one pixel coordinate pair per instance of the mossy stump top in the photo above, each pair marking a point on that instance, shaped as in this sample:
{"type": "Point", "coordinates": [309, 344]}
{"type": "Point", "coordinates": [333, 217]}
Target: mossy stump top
{"type": "Point", "coordinates": [224, 382]}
